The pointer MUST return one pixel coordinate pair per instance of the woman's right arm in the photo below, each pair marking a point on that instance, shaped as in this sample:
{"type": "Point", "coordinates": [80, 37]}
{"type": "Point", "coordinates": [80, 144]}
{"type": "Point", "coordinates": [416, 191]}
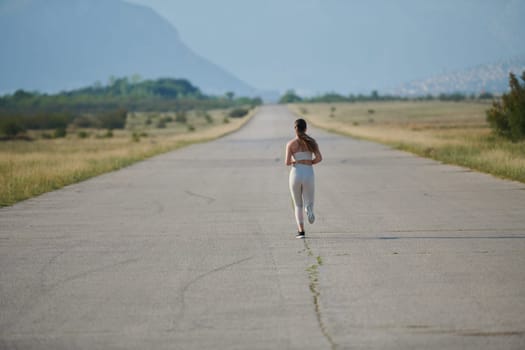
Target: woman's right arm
{"type": "Point", "coordinates": [288, 158]}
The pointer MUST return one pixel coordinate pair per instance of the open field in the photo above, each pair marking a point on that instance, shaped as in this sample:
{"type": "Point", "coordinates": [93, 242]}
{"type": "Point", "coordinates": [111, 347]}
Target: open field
{"type": "Point", "coordinates": [451, 132]}
{"type": "Point", "coordinates": [30, 168]}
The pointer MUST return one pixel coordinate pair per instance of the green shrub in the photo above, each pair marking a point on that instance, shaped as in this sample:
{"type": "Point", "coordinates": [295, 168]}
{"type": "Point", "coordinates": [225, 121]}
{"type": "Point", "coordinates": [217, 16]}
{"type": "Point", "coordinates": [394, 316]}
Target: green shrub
{"type": "Point", "coordinates": [161, 124]}
{"type": "Point", "coordinates": [115, 119]}
{"type": "Point", "coordinates": [180, 117]}
{"type": "Point", "coordinates": [191, 128]}
{"type": "Point", "coordinates": [59, 133]}
{"type": "Point", "coordinates": [86, 121]}
{"type": "Point", "coordinates": [109, 133]}
{"type": "Point", "coordinates": [135, 137]}
{"type": "Point", "coordinates": [82, 134]}
{"type": "Point", "coordinates": [47, 120]}
{"type": "Point", "coordinates": [238, 112]}
{"type": "Point", "coordinates": [507, 117]}
{"type": "Point", "coordinates": [11, 128]}
{"type": "Point", "coordinates": [226, 120]}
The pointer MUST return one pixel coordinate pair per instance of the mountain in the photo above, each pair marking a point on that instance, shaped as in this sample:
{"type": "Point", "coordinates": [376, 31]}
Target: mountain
{"type": "Point", "coordinates": [54, 45]}
{"type": "Point", "coordinates": [493, 78]}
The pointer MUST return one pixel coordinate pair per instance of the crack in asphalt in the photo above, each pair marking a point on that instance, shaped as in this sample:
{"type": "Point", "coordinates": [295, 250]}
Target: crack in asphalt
{"type": "Point", "coordinates": [45, 289]}
{"type": "Point", "coordinates": [210, 200]}
{"type": "Point", "coordinates": [187, 286]}
{"type": "Point", "coordinates": [313, 276]}
{"type": "Point", "coordinates": [90, 272]}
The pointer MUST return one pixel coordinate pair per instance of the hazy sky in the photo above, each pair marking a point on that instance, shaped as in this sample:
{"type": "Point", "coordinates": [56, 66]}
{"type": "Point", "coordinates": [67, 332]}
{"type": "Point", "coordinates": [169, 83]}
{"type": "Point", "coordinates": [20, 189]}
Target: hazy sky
{"type": "Point", "coordinates": [345, 45]}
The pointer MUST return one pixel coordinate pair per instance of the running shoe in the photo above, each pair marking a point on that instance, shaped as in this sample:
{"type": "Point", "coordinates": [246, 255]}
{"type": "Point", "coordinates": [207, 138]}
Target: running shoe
{"type": "Point", "coordinates": [310, 213]}
{"type": "Point", "coordinates": [300, 235]}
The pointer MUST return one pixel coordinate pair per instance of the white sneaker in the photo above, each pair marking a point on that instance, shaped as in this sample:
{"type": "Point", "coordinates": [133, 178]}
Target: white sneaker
{"type": "Point", "coordinates": [310, 213]}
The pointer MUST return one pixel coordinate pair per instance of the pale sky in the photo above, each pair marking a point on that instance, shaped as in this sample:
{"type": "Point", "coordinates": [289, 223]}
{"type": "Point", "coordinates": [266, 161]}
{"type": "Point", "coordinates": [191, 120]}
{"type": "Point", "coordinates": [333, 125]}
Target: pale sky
{"type": "Point", "coordinates": [347, 46]}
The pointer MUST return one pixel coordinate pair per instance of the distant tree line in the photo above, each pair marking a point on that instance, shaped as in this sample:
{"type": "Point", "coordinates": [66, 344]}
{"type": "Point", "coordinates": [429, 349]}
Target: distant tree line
{"type": "Point", "coordinates": [332, 97]}
{"type": "Point", "coordinates": [106, 106]}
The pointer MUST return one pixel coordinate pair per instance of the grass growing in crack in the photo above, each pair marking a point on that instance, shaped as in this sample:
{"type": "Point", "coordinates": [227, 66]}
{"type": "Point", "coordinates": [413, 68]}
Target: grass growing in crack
{"type": "Point", "coordinates": [313, 277]}
{"type": "Point", "coordinates": [319, 260]}
{"type": "Point", "coordinates": [313, 272]}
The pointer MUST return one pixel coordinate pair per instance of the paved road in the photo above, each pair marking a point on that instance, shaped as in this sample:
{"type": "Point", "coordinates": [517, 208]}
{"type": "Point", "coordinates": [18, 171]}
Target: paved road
{"type": "Point", "coordinates": [195, 249]}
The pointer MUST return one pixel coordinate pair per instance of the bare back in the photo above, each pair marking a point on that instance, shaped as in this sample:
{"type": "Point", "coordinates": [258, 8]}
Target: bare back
{"type": "Point", "coordinates": [295, 146]}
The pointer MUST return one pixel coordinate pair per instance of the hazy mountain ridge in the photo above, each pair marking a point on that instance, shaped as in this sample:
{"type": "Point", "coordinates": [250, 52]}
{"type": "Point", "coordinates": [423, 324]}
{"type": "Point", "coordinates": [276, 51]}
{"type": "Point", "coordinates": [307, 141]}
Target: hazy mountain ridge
{"type": "Point", "coordinates": [492, 77]}
{"type": "Point", "coordinates": [55, 45]}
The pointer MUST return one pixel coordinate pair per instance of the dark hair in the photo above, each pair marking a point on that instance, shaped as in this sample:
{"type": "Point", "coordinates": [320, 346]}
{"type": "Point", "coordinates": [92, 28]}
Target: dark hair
{"type": "Point", "coordinates": [309, 142]}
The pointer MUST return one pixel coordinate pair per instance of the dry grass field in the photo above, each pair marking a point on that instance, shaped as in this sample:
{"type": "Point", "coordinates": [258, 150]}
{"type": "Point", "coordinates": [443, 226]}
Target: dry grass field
{"type": "Point", "coordinates": [451, 132]}
{"type": "Point", "coordinates": [30, 168]}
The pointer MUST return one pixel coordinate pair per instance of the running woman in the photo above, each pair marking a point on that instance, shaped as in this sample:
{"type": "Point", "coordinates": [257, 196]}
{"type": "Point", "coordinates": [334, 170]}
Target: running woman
{"type": "Point", "coordinates": [300, 153]}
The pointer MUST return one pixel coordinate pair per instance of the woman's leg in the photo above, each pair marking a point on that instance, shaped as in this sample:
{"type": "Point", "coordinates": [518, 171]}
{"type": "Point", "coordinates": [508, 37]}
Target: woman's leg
{"type": "Point", "coordinates": [296, 190]}
{"type": "Point", "coordinates": [308, 196]}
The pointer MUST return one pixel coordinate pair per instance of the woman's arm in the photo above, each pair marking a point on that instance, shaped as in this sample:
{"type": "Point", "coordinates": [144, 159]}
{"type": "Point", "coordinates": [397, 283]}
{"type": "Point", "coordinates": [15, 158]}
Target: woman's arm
{"type": "Point", "coordinates": [318, 156]}
{"type": "Point", "coordinates": [288, 158]}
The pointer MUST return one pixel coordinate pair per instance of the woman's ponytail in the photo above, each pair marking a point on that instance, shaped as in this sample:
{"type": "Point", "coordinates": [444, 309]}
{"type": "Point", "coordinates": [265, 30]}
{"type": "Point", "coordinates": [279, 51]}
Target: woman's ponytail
{"type": "Point", "coordinates": [309, 142]}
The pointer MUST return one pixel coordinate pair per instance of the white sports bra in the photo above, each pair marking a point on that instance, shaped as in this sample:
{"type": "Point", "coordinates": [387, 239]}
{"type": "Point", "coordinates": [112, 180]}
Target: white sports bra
{"type": "Point", "coordinates": [302, 155]}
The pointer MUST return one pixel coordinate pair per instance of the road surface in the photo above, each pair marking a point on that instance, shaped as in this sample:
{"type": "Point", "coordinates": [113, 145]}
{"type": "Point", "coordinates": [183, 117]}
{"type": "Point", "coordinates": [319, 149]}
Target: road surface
{"type": "Point", "coordinates": [195, 249]}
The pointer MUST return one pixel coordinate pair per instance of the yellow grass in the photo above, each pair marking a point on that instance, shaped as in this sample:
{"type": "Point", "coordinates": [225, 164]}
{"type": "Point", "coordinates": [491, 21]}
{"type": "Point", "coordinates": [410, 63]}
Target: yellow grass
{"type": "Point", "coordinates": [30, 168]}
{"type": "Point", "coordinates": [452, 132]}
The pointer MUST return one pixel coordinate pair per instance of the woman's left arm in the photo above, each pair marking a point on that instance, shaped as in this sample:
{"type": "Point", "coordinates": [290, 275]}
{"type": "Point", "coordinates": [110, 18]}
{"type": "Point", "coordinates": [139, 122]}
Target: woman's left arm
{"type": "Point", "coordinates": [318, 156]}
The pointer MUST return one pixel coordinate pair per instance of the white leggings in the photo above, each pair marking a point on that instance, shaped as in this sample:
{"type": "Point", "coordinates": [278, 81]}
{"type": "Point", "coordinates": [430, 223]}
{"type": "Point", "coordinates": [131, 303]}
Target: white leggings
{"type": "Point", "coordinates": [302, 186]}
